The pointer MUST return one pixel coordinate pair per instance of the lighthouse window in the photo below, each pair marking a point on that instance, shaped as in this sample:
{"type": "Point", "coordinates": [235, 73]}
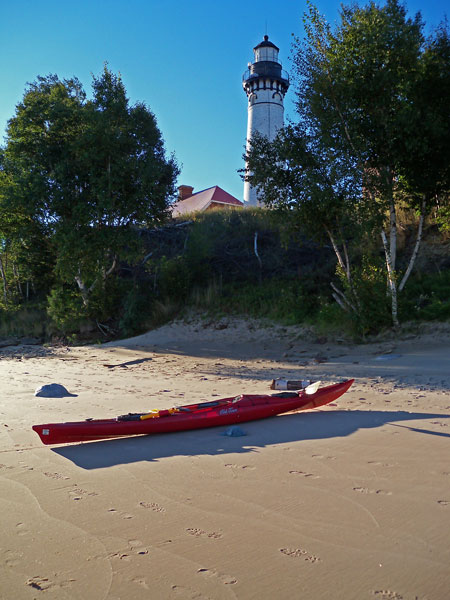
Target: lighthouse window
{"type": "Point", "coordinates": [266, 54]}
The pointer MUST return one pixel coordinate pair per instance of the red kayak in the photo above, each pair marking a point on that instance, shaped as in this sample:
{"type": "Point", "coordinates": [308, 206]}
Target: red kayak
{"type": "Point", "coordinates": [227, 411]}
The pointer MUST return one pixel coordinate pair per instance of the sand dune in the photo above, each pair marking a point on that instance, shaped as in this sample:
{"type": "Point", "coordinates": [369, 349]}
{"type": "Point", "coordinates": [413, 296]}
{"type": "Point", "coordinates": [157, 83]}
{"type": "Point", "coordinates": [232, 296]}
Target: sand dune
{"type": "Point", "coordinates": [351, 501]}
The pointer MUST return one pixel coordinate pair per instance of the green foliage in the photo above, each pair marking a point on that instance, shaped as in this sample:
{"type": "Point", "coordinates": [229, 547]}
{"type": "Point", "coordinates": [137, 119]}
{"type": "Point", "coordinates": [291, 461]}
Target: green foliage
{"type": "Point", "coordinates": [79, 176]}
{"type": "Point", "coordinates": [285, 301]}
{"type": "Point", "coordinates": [136, 309]}
{"type": "Point", "coordinates": [426, 161]}
{"type": "Point", "coordinates": [26, 255]}
{"type": "Point", "coordinates": [175, 278]}
{"type": "Point", "coordinates": [330, 318]}
{"type": "Point", "coordinates": [369, 294]}
{"type": "Point", "coordinates": [65, 308]}
{"type": "Point", "coordinates": [428, 297]}
{"type": "Point", "coordinates": [216, 268]}
{"type": "Point", "coordinates": [307, 182]}
{"type": "Point", "coordinates": [80, 179]}
{"type": "Point", "coordinates": [30, 321]}
{"type": "Point", "coordinates": [371, 134]}
{"type": "Point", "coordinates": [443, 217]}
{"type": "Point", "coordinates": [217, 237]}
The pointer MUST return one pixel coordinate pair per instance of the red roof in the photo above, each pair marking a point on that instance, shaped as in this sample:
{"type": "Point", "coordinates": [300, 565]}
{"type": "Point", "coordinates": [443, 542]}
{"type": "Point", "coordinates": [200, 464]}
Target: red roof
{"type": "Point", "coordinates": [200, 201]}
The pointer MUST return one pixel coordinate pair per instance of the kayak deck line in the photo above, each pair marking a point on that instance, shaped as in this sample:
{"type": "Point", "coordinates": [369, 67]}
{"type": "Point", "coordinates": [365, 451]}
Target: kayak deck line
{"type": "Point", "coordinates": [225, 411]}
{"type": "Point", "coordinates": [154, 414]}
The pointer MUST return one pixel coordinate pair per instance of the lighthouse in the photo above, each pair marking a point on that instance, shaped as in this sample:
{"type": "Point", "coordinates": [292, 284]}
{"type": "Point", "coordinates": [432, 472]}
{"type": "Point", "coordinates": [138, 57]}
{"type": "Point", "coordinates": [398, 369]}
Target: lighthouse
{"type": "Point", "coordinates": [265, 84]}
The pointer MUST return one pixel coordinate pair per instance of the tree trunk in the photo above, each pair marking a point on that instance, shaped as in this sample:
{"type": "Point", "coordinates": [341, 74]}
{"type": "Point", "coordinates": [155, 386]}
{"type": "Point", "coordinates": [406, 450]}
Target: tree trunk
{"type": "Point", "coordinates": [5, 285]}
{"type": "Point", "coordinates": [393, 234]}
{"type": "Point", "coordinates": [255, 247]}
{"type": "Point", "coordinates": [392, 219]}
{"type": "Point", "coordinates": [111, 268]}
{"type": "Point", "coordinates": [83, 290]}
{"type": "Point", "coordinates": [338, 295]}
{"type": "Point", "coordinates": [391, 280]}
{"type": "Point", "coordinates": [345, 267]}
{"type": "Point", "coordinates": [416, 247]}
{"type": "Point", "coordinates": [16, 275]}
{"type": "Point", "coordinates": [86, 291]}
{"type": "Point", "coordinates": [342, 299]}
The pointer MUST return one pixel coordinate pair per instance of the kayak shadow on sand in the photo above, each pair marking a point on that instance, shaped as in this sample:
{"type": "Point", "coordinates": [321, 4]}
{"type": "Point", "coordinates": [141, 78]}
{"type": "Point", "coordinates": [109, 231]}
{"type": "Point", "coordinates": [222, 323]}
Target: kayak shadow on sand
{"type": "Point", "coordinates": [259, 434]}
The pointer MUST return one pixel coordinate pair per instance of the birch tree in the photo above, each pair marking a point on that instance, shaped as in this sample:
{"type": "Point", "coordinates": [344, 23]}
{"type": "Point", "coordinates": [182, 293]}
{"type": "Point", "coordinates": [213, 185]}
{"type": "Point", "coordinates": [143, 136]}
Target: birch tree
{"type": "Point", "coordinates": [360, 109]}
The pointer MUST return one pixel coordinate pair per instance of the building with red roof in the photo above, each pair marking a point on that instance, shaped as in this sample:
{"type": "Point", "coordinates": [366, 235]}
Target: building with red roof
{"type": "Point", "coordinates": [211, 198]}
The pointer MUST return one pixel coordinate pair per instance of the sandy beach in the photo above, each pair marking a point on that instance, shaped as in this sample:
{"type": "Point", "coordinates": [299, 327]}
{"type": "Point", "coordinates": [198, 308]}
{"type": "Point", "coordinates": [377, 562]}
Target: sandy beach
{"type": "Point", "coordinates": [351, 501]}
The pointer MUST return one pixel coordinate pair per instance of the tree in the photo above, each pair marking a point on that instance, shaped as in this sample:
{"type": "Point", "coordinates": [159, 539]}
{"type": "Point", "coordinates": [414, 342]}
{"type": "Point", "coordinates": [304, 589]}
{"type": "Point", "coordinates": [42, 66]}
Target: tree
{"type": "Point", "coordinates": [25, 253]}
{"type": "Point", "coordinates": [88, 172]}
{"type": "Point", "coordinates": [319, 190]}
{"type": "Point", "coordinates": [358, 106]}
{"type": "Point", "coordinates": [425, 165]}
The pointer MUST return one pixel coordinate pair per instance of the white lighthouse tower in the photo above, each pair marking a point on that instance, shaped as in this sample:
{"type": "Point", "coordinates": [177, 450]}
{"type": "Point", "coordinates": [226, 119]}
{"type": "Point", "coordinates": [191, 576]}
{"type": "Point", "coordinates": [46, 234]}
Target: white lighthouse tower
{"type": "Point", "coordinates": [265, 84]}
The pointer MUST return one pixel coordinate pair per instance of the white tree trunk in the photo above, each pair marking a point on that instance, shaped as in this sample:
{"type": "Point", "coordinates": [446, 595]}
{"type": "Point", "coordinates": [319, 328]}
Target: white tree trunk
{"type": "Point", "coordinates": [338, 295]}
{"type": "Point", "coordinates": [416, 247]}
{"type": "Point", "coordinates": [86, 291]}
{"type": "Point", "coordinates": [391, 279]}
{"type": "Point", "coordinates": [83, 289]}
{"type": "Point", "coordinates": [342, 299]}
{"type": "Point", "coordinates": [345, 267]}
{"type": "Point", "coordinates": [393, 234]}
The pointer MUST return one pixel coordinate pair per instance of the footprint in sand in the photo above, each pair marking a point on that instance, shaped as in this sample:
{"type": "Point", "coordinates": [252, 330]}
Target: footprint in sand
{"type": "Point", "coordinates": [201, 533]}
{"type": "Point", "coordinates": [78, 493]}
{"type": "Point", "coordinates": [13, 559]}
{"type": "Point", "coordinates": [363, 490]}
{"type": "Point", "coordinates": [303, 474]}
{"type": "Point", "coordinates": [120, 555]}
{"type": "Point", "coordinates": [140, 581]}
{"type": "Point", "coordinates": [120, 514]}
{"type": "Point", "coordinates": [21, 529]}
{"type": "Point", "coordinates": [300, 553]}
{"type": "Point", "coordinates": [39, 583]}
{"type": "Point", "coordinates": [153, 506]}
{"type": "Point", "coordinates": [321, 456]}
{"type": "Point", "coordinates": [225, 579]}
{"type": "Point", "coordinates": [233, 466]}
{"type": "Point", "coordinates": [444, 502]}
{"type": "Point", "coordinates": [138, 547]}
{"type": "Point", "coordinates": [55, 476]}
{"type": "Point", "coordinates": [43, 583]}
{"type": "Point", "coordinates": [75, 496]}
{"type": "Point", "coordinates": [387, 595]}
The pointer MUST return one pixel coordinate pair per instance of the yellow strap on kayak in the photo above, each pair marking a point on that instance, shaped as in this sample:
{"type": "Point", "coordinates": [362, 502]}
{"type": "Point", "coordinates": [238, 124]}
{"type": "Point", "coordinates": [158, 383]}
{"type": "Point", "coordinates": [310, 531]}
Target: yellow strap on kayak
{"type": "Point", "coordinates": [153, 414]}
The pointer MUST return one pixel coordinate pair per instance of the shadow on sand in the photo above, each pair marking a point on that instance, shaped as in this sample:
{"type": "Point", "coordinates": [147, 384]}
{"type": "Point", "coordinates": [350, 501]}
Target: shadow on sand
{"type": "Point", "coordinates": [260, 434]}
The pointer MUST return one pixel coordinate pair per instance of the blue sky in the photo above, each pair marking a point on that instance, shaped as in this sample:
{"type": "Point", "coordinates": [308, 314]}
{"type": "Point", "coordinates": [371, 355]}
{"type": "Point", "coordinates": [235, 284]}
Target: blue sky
{"type": "Point", "coordinates": [183, 58]}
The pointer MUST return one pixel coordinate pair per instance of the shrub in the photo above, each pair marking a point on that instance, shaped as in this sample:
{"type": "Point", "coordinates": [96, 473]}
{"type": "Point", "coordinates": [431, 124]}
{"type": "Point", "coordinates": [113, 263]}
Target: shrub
{"type": "Point", "coordinates": [65, 308]}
